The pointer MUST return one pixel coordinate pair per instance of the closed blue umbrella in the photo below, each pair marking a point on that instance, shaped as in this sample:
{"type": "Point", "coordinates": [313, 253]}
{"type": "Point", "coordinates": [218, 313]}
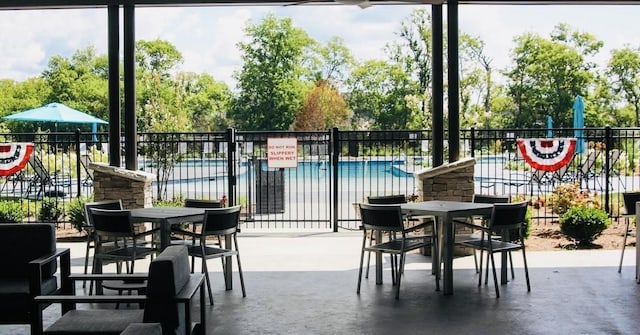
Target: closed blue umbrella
{"type": "Point", "coordinates": [549, 126]}
{"type": "Point", "coordinates": [578, 124]}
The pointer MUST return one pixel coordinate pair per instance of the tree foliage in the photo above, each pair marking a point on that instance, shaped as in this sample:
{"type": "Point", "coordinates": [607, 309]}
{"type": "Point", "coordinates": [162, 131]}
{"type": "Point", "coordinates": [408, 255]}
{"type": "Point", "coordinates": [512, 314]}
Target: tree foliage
{"type": "Point", "coordinates": [548, 74]}
{"type": "Point", "coordinates": [271, 82]}
{"type": "Point", "coordinates": [323, 108]}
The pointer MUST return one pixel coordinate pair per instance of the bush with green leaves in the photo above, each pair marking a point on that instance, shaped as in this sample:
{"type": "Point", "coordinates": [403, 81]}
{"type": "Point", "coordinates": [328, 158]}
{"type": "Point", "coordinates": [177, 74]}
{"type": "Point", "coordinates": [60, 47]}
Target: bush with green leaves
{"type": "Point", "coordinates": [49, 210]}
{"type": "Point", "coordinates": [583, 224]}
{"type": "Point", "coordinates": [11, 212]}
{"type": "Point", "coordinates": [75, 212]}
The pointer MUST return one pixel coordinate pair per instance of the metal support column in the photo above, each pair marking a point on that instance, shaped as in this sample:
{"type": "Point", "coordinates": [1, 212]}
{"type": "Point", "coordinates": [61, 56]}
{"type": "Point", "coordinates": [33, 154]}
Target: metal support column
{"type": "Point", "coordinates": [437, 88]}
{"type": "Point", "coordinates": [113, 20]}
{"type": "Point", "coordinates": [130, 123]}
{"type": "Point", "coordinates": [454, 80]}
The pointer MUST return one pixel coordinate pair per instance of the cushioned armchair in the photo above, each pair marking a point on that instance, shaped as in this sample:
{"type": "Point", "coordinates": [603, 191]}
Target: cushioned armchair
{"type": "Point", "coordinates": [170, 290]}
{"type": "Point", "coordinates": [29, 263]}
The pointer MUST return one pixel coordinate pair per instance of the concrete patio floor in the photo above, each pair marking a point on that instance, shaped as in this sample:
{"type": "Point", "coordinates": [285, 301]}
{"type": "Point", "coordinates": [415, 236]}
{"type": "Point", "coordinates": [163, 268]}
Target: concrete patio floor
{"type": "Point", "coordinates": [305, 283]}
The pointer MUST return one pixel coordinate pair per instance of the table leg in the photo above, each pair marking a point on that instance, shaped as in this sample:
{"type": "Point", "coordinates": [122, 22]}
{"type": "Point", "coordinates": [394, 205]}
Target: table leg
{"type": "Point", "coordinates": [165, 235]}
{"type": "Point", "coordinates": [436, 252]}
{"type": "Point", "coordinates": [447, 255]}
{"type": "Point", "coordinates": [378, 238]}
{"type": "Point", "coordinates": [228, 264]}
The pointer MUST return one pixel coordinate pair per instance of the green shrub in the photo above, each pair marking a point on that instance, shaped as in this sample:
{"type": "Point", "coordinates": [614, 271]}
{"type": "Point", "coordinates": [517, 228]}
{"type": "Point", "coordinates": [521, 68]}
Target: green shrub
{"type": "Point", "coordinates": [583, 224]}
{"type": "Point", "coordinates": [75, 211]}
{"type": "Point", "coordinates": [11, 212]}
{"type": "Point", "coordinates": [49, 210]}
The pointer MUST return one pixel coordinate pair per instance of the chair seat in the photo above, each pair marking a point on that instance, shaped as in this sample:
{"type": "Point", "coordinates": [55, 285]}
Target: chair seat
{"type": "Point", "coordinates": [139, 252]}
{"type": "Point", "coordinates": [495, 244]}
{"type": "Point", "coordinates": [103, 322]}
{"type": "Point", "coordinates": [210, 252]}
{"type": "Point", "coordinates": [396, 246]}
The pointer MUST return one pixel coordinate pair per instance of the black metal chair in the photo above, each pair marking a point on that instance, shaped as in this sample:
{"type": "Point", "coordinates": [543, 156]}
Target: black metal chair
{"type": "Point", "coordinates": [378, 219]}
{"type": "Point", "coordinates": [217, 222]}
{"type": "Point", "coordinates": [505, 219]}
{"type": "Point", "coordinates": [178, 233]}
{"type": "Point", "coordinates": [490, 199]}
{"type": "Point", "coordinates": [630, 199]}
{"type": "Point", "coordinates": [416, 224]}
{"type": "Point", "coordinates": [116, 240]}
{"type": "Point", "coordinates": [89, 229]}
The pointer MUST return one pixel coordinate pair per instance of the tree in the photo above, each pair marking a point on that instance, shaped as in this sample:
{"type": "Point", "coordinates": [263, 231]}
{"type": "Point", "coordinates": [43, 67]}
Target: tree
{"type": "Point", "coordinates": [206, 101]}
{"type": "Point", "coordinates": [624, 73]}
{"type": "Point", "coordinates": [548, 74]}
{"type": "Point", "coordinates": [80, 82]}
{"type": "Point", "coordinates": [270, 83]}
{"type": "Point", "coordinates": [379, 93]}
{"type": "Point", "coordinates": [323, 108]}
{"type": "Point", "coordinates": [413, 53]}
{"type": "Point", "coordinates": [161, 110]}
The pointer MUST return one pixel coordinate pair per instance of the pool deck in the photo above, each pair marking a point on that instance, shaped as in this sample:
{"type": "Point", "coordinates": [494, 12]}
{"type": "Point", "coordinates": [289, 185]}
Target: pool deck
{"type": "Point", "coordinates": [305, 283]}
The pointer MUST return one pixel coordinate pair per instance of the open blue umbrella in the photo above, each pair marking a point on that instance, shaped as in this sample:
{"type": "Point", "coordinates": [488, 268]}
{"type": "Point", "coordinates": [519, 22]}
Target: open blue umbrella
{"type": "Point", "coordinates": [56, 113]}
{"type": "Point", "coordinates": [578, 124]}
{"type": "Point", "coordinates": [549, 126]}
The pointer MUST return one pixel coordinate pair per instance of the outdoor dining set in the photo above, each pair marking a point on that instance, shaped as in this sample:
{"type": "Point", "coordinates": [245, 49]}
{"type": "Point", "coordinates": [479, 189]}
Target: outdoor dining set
{"type": "Point", "coordinates": [175, 236]}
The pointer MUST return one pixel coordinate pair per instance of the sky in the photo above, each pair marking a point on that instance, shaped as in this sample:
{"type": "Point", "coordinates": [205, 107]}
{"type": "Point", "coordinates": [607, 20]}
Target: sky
{"type": "Point", "coordinates": [207, 36]}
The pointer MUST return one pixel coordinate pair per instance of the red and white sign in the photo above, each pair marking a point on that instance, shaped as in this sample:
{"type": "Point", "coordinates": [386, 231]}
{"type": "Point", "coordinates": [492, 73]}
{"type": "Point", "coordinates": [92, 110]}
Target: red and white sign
{"type": "Point", "coordinates": [547, 154]}
{"type": "Point", "coordinates": [14, 157]}
{"type": "Point", "coordinates": [282, 152]}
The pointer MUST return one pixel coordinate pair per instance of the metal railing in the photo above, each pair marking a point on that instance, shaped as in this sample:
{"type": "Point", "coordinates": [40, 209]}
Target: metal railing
{"type": "Point", "coordinates": [335, 169]}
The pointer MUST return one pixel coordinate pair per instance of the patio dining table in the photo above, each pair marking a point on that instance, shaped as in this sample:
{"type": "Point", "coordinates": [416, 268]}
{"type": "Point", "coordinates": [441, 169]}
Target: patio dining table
{"type": "Point", "coordinates": [445, 212]}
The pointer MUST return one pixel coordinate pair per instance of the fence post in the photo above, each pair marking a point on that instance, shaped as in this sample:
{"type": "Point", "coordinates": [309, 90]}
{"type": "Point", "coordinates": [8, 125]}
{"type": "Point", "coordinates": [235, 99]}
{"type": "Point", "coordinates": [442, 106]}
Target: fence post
{"type": "Point", "coordinates": [473, 142]}
{"type": "Point", "coordinates": [231, 158]}
{"type": "Point", "coordinates": [608, 143]}
{"type": "Point", "coordinates": [78, 184]}
{"type": "Point", "coordinates": [335, 155]}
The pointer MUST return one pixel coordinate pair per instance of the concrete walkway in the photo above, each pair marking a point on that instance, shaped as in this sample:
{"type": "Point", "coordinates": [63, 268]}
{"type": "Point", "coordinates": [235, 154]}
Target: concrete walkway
{"type": "Point", "coordinates": [305, 283]}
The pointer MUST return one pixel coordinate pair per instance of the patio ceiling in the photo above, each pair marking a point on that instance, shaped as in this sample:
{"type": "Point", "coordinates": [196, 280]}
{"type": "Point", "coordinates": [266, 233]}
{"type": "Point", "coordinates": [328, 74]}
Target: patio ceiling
{"type": "Point", "coordinates": [52, 4]}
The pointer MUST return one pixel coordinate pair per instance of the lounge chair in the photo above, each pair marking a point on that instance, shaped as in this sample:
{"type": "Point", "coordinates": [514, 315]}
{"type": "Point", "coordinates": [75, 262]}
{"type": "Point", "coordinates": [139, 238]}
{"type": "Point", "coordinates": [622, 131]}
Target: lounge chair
{"type": "Point", "coordinates": [43, 183]}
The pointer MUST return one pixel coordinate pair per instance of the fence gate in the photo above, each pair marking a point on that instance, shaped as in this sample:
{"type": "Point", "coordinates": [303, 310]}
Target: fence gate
{"type": "Point", "coordinates": [284, 198]}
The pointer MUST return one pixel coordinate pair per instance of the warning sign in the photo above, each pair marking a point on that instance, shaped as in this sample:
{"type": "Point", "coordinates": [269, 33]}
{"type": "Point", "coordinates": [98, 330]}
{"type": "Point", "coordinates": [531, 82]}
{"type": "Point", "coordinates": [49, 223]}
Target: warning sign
{"type": "Point", "coordinates": [282, 152]}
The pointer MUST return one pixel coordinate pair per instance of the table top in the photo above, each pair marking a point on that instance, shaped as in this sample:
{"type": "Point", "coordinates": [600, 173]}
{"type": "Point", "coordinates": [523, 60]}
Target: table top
{"type": "Point", "coordinates": [441, 207]}
{"type": "Point", "coordinates": [165, 213]}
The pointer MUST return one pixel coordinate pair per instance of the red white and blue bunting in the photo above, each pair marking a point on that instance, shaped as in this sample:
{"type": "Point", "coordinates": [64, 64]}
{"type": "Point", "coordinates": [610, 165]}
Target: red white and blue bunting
{"type": "Point", "coordinates": [547, 154]}
{"type": "Point", "coordinates": [14, 157]}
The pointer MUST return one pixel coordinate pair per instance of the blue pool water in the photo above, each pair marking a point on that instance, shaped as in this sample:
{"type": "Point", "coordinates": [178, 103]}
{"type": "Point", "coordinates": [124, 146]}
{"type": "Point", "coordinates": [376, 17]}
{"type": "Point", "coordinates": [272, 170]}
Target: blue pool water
{"type": "Point", "coordinates": [346, 169]}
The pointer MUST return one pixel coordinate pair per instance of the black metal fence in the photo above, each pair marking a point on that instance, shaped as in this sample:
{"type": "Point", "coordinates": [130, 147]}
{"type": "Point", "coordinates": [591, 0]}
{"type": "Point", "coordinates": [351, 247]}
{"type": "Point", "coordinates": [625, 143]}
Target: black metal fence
{"type": "Point", "coordinates": [334, 170]}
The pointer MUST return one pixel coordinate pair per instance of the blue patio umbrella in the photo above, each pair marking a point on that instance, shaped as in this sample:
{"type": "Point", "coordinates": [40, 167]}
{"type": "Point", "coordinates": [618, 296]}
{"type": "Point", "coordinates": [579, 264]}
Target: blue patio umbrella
{"type": "Point", "coordinates": [578, 124]}
{"type": "Point", "coordinates": [549, 126]}
{"type": "Point", "coordinates": [56, 113]}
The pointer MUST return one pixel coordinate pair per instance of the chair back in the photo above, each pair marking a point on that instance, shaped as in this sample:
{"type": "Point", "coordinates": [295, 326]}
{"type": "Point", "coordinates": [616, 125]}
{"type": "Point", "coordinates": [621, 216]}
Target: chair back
{"type": "Point", "coordinates": [387, 199]}
{"type": "Point", "coordinates": [381, 217]}
{"type": "Point", "coordinates": [21, 243]}
{"type": "Point", "coordinates": [508, 216]}
{"type": "Point", "coordinates": [39, 169]}
{"type": "Point", "coordinates": [630, 199]}
{"type": "Point", "coordinates": [106, 204]}
{"type": "Point", "coordinates": [169, 272]}
{"type": "Point", "coordinates": [198, 203]}
{"type": "Point", "coordinates": [490, 199]}
{"type": "Point", "coordinates": [221, 221]}
{"type": "Point", "coordinates": [108, 222]}
{"type": "Point", "coordinates": [589, 162]}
